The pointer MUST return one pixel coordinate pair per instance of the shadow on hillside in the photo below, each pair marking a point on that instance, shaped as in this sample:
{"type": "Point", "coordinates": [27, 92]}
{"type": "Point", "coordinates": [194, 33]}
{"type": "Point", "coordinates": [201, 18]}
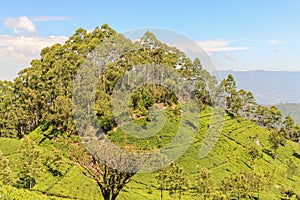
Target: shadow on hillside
{"type": "Point", "coordinates": [297, 155]}
{"type": "Point", "coordinates": [268, 152]}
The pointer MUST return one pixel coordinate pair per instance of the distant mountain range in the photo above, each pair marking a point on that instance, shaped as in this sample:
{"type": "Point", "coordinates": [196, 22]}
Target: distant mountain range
{"type": "Point", "coordinates": [268, 87]}
{"type": "Point", "coordinates": [291, 109]}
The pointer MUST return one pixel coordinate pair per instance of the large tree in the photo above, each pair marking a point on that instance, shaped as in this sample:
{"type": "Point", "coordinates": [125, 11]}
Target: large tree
{"type": "Point", "coordinates": [161, 180]}
{"type": "Point", "coordinates": [275, 140]}
{"type": "Point", "coordinates": [8, 111]}
{"type": "Point", "coordinates": [30, 164]}
{"type": "Point", "coordinates": [112, 173]}
{"type": "Point", "coordinates": [6, 174]}
{"type": "Point", "coordinates": [232, 97]}
{"type": "Point", "coordinates": [291, 130]}
{"type": "Point", "coordinates": [203, 182]}
{"type": "Point", "coordinates": [291, 168]}
{"type": "Point", "coordinates": [235, 186]}
{"type": "Point", "coordinates": [176, 180]}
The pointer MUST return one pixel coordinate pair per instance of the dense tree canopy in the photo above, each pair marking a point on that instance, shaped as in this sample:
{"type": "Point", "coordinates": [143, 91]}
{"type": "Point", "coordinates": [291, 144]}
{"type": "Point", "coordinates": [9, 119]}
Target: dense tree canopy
{"type": "Point", "coordinates": [42, 93]}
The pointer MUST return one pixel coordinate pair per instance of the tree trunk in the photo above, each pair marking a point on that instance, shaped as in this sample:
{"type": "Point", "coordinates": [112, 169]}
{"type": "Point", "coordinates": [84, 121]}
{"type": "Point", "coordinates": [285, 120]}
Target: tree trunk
{"type": "Point", "coordinates": [106, 196]}
{"type": "Point", "coordinates": [105, 193]}
{"type": "Point", "coordinates": [30, 185]}
{"type": "Point", "coordinates": [275, 152]}
{"type": "Point", "coordinates": [113, 198]}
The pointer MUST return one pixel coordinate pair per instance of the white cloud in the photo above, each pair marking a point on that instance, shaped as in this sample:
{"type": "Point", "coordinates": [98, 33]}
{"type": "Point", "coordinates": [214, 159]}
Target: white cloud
{"type": "Point", "coordinates": [50, 18]}
{"type": "Point", "coordinates": [207, 47]}
{"type": "Point", "coordinates": [25, 24]}
{"type": "Point", "coordinates": [20, 24]}
{"type": "Point", "coordinates": [16, 52]}
{"type": "Point", "coordinates": [213, 46]}
{"type": "Point", "coordinates": [229, 56]}
{"type": "Point", "coordinates": [275, 42]}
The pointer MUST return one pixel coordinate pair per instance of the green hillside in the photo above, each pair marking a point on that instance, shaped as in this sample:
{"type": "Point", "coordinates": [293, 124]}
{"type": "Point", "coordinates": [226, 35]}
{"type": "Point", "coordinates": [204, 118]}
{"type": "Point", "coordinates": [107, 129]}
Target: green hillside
{"type": "Point", "coordinates": [229, 156]}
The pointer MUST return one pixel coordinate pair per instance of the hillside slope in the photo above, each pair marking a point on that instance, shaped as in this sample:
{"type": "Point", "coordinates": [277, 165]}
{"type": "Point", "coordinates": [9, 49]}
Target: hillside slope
{"type": "Point", "coordinates": [227, 157]}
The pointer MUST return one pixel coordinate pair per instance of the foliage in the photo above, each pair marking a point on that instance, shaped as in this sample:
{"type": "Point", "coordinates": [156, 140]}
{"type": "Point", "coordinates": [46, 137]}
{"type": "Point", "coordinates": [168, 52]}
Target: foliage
{"type": "Point", "coordinates": [11, 193]}
{"type": "Point", "coordinates": [6, 174]}
{"type": "Point", "coordinates": [275, 139]}
{"type": "Point", "coordinates": [8, 111]}
{"type": "Point", "coordinates": [30, 164]}
{"type": "Point", "coordinates": [254, 153]}
{"type": "Point", "coordinates": [203, 182]}
{"type": "Point", "coordinates": [291, 169]}
{"type": "Point", "coordinates": [54, 162]}
{"type": "Point", "coordinates": [176, 180]}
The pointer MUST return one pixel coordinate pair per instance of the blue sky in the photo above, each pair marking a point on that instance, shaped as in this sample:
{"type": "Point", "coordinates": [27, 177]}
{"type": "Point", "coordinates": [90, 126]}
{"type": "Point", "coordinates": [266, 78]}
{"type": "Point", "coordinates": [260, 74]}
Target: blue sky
{"type": "Point", "coordinates": [237, 34]}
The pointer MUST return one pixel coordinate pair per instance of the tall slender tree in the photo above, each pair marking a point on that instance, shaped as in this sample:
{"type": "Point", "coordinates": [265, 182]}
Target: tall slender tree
{"type": "Point", "coordinates": [30, 164]}
{"type": "Point", "coordinates": [203, 182]}
{"type": "Point", "coordinates": [177, 182]}
{"type": "Point", "coordinates": [275, 139]}
{"type": "Point", "coordinates": [6, 174]}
